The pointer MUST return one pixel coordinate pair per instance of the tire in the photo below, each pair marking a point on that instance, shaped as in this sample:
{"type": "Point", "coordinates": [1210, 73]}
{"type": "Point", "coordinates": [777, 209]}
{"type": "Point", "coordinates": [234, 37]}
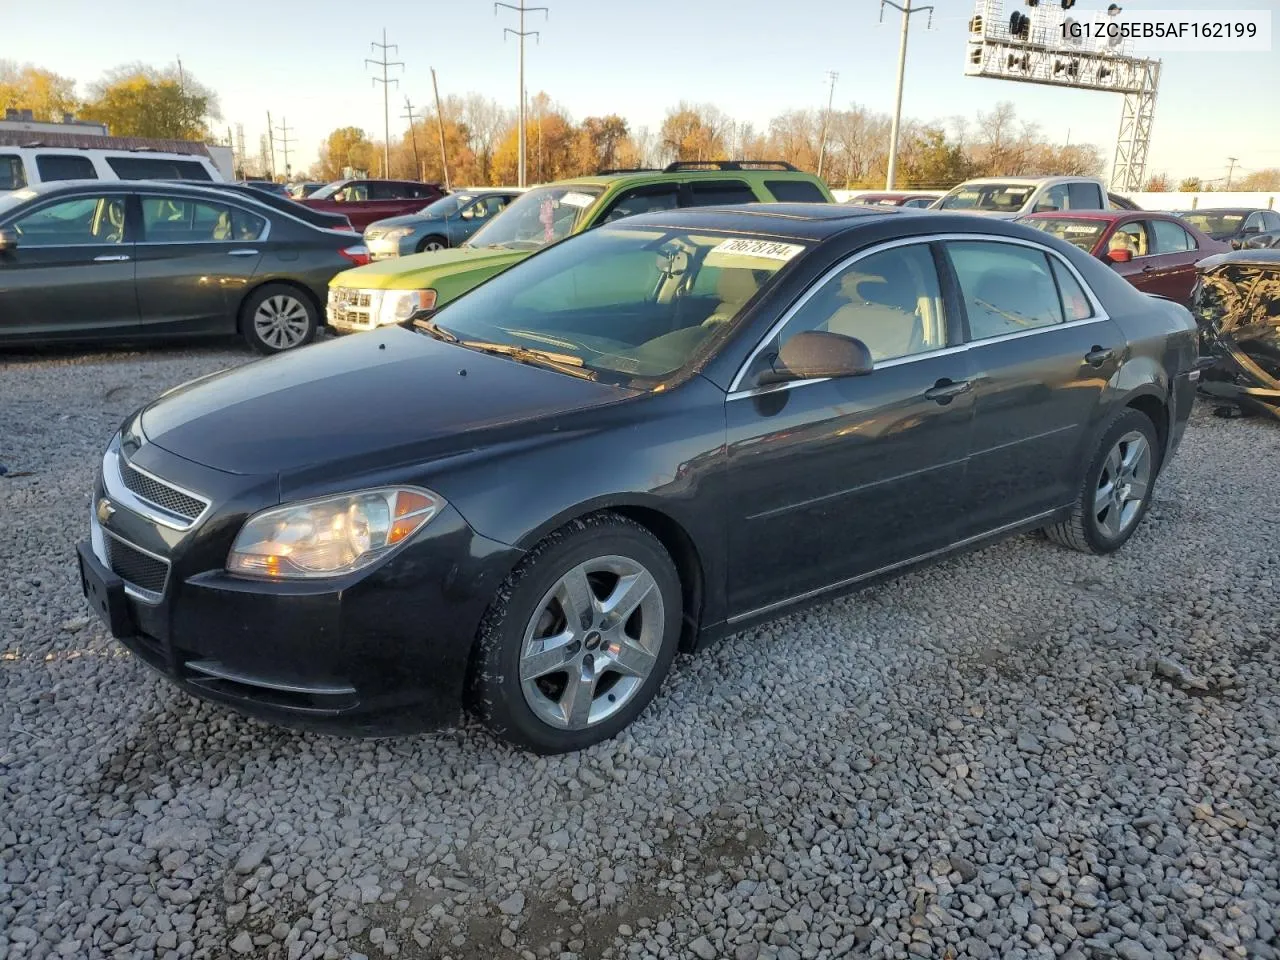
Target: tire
{"type": "Point", "coordinates": [520, 685]}
{"type": "Point", "coordinates": [277, 317]}
{"type": "Point", "coordinates": [1101, 522]}
{"type": "Point", "coordinates": [432, 243]}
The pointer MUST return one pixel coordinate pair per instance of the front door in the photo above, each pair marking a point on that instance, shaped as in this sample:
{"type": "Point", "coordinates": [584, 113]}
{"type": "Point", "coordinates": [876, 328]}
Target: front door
{"type": "Point", "coordinates": [1042, 353]}
{"type": "Point", "coordinates": [71, 273]}
{"type": "Point", "coordinates": [195, 260]}
{"type": "Point", "coordinates": [833, 479]}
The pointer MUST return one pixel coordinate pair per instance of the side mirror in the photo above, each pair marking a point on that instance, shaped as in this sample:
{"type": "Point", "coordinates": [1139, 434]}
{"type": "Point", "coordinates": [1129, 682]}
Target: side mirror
{"type": "Point", "coordinates": [1256, 228]}
{"type": "Point", "coordinates": [1119, 256]}
{"type": "Point", "coordinates": [817, 355]}
{"type": "Point", "coordinates": [1237, 244]}
{"type": "Point", "coordinates": [8, 239]}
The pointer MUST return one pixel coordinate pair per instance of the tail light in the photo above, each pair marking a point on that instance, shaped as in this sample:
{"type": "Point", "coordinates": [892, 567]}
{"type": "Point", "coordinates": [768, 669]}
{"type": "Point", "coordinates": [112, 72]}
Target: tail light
{"type": "Point", "coordinates": [357, 254]}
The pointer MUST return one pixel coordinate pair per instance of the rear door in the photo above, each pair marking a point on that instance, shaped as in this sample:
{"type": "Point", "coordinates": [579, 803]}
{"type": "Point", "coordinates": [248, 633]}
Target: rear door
{"type": "Point", "coordinates": [1173, 261]}
{"type": "Point", "coordinates": [72, 272]}
{"type": "Point", "coordinates": [1042, 352]}
{"type": "Point", "coordinates": [196, 257]}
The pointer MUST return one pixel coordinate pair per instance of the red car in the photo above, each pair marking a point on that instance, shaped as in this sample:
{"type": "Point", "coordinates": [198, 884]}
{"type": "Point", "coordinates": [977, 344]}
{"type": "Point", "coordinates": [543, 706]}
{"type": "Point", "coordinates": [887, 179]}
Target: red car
{"type": "Point", "coordinates": [1155, 252]}
{"type": "Point", "coordinates": [364, 201]}
{"type": "Point", "coordinates": [895, 199]}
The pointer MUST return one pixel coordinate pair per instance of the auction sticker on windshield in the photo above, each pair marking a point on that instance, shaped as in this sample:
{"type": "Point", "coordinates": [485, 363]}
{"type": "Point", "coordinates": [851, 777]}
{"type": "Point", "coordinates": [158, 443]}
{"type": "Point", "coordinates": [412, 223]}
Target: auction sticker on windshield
{"type": "Point", "coordinates": [577, 199]}
{"type": "Point", "coordinates": [758, 249]}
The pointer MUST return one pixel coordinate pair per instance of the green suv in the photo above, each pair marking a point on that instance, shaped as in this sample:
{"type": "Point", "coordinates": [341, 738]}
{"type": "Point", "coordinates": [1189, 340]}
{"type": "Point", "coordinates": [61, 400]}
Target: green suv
{"type": "Point", "coordinates": [390, 291]}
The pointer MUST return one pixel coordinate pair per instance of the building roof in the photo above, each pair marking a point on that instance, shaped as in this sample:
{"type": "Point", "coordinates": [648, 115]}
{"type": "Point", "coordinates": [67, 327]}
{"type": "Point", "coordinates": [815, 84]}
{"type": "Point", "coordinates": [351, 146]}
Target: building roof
{"type": "Point", "coordinates": [88, 141]}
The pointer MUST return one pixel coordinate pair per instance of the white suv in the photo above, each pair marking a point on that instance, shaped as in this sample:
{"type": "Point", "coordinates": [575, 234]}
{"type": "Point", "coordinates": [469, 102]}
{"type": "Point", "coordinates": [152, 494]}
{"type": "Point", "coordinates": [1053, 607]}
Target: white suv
{"type": "Point", "coordinates": [23, 166]}
{"type": "Point", "coordinates": [1009, 197]}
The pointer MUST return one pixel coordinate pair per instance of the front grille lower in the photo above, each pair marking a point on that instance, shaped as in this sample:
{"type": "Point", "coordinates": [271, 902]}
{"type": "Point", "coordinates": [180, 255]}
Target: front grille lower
{"type": "Point", "coordinates": [139, 569]}
{"type": "Point", "coordinates": [350, 307]}
{"type": "Point", "coordinates": [160, 494]}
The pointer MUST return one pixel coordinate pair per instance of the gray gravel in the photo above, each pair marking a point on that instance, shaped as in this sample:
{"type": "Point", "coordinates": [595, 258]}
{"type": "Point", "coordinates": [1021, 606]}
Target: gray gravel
{"type": "Point", "coordinates": [1024, 753]}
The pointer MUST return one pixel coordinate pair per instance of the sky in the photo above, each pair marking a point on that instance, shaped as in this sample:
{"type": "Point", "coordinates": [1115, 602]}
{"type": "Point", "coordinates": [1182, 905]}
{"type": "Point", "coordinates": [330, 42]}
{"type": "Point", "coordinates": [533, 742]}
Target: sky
{"type": "Point", "coordinates": [752, 58]}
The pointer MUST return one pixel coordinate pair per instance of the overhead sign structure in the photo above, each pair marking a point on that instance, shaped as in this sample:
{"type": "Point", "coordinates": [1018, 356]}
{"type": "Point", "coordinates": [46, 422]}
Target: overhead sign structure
{"type": "Point", "coordinates": [1046, 43]}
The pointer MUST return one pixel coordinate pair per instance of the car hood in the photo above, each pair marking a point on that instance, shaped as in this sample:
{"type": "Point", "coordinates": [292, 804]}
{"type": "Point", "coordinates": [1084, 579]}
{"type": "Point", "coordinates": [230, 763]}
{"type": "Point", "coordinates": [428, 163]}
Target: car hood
{"type": "Point", "coordinates": [381, 398]}
{"type": "Point", "coordinates": [407, 220]}
{"type": "Point", "coordinates": [422, 269]}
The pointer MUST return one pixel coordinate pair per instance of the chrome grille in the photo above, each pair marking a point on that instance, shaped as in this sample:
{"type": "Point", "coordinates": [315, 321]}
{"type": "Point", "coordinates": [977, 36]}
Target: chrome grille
{"type": "Point", "coordinates": [148, 574]}
{"type": "Point", "coordinates": [350, 307]}
{"type": "Point", "coordinates": [160, 494]}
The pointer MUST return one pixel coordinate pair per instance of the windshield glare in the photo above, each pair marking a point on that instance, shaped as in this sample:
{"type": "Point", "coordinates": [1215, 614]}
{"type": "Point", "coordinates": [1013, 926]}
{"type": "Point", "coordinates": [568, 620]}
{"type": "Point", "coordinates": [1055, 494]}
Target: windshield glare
{"type": "Point", "coordinates": [1083, 233]}
{"type": "Point", "coordinates": [327, 191]}
{"type": "Point", "coordinates": [996, 197]}
{"type": "Point", "coordinates": [1216, 225]}
{"type": "Point", "coordinates": [621, 303]}
{"type": "Point", "coordinates": [537, 218]}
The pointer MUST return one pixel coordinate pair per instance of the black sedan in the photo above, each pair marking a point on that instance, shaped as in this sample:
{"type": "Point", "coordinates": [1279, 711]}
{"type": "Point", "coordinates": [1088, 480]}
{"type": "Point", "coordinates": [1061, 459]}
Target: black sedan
{"type": "Point", "coordinates": [129, 260]}
{"type": "Point", "coordinates": [1239, 226]}
{"type": "Point", "coordinates": [637, 441]}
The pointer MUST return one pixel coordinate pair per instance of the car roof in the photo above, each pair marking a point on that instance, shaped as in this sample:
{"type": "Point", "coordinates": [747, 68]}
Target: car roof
{"type": "Point", "coordinates": [610, 179]}
{"type": "Point", "coordinates": [1240, 210]}
{"type": "Point", "coordinates": [805, 221]}
{"type": "Point", "coordinates": [1106, 215]}
{"type": "Point", "coordinates": [1028, 181]}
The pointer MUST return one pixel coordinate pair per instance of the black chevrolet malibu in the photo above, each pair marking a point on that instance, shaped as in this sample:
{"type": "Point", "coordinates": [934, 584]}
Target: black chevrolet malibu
{"type": "Point", "coordinates": [636, 441]}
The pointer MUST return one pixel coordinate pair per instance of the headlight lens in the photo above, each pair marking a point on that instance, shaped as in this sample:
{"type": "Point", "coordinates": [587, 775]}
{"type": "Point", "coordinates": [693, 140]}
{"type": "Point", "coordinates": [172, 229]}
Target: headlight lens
{"type": "Point", "coordinates": [397, 233]}
{"type": "Point", "coordinates": [398, 306]}
{"type": "Point", "coordinates": [332, 536]}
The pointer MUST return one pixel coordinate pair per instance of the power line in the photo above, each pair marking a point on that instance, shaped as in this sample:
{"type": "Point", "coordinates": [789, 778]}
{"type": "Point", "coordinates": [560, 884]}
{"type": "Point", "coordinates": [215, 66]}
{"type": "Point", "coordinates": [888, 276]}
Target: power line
{"type": "Point", "coordinates": [413, 134]}
{"type": "Point", "coordinates": [285, 140]}
{"type": "Point", "coordinates": [520, 35]}
{"type": "Point", "coordinates": [826, 118]}
{"type": "Point", "coordinates": [384, 63]}
{"type": "Point", "coordinates": [907, 10]}
{"type": "Point", "coordinates": [1231, 169]}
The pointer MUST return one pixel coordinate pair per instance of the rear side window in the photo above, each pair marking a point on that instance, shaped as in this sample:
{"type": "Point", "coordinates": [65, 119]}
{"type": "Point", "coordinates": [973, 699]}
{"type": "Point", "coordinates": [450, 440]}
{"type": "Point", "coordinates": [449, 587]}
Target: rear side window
{"type": "Point", "coordinates": [721, 192]}
{"type": "Point", "coordinates": [1084, 196]}
{"type": "Point", "coordinates": [388, 191]}
{"type": "Point", "coordinates": [795, 191]}
{"type": "Point", "coordinates": [1171, 238]}
{"type": "Point", "coordinates": [12, 174]}
{"type": "Point", "coordinates": [182, 220]}
{"type": "Point", "coordinates": [1007, 288]}
{"type": "Point", "coordinates": [54, 166]}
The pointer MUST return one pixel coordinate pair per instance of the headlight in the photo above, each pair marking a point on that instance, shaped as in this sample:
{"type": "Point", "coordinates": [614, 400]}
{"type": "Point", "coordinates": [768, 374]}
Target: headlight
{"type": "Point", "coordinates": [397, 233]}
{"type": "Point", "coordinates": [332, 536]}
{"type": "Point", "coordinates": [398, 306]}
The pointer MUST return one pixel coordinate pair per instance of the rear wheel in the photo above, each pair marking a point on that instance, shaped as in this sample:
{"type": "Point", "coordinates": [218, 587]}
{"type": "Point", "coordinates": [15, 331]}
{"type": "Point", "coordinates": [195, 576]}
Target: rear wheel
{"type": "Point", "coordinates": [278, 317]}
{"type": "Point", "coordinates": [431, 244]}
{"type": "Point", "coordinates": [579, 638]}
{"type": "Point", "coordinates": [1116, 491]}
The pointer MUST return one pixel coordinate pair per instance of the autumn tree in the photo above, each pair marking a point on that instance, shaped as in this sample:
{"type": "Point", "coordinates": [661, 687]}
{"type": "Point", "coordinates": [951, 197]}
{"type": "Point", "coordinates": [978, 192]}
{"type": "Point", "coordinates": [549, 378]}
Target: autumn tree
{"type": "Point", "coordinates": [1262, 180]}
{"type": "Point", "coordinates": [1158, 183]}
{"type": "Point", "coordinates": [46, 94]}
{"type": "Point", "coordinates": [345, 147]}
{"type": "Point", "coordinates": [137, 100]}
{"type": "Point", "coordinates": [602, 139]}
{"type": "Point", "coordinates": [1189, 185]}
{"type": "Point", "coordinates": [694, 132]}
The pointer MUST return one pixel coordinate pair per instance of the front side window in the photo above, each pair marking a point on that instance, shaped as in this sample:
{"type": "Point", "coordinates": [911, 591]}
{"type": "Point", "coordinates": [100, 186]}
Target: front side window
{"type": "Point", "coordinates": [795, 191]}
{"type": "Point", "coordinates": [539, 217]}
{"type": "Point", "coordinates": [84, 221]}
{"type": "Point", "coordinates": [1007, 288]}
{"type": "Point", "coordinates": [1253, 224]}
{"type": "Point", "coordinates": [631, 203]}
{"type": "Point", "coordinates": [55, 166]}
{"type": "Point", "coordinates": [1168, 237]}
{"type": "Point", "coordinates": [12, 175]}
{"type": "Point", "coordinates": [1132, 237]}
{"type": "Point", "coordinates": [619, 304]}
{"type": "Point", "coordinates": [1055, 198]}
{"type": "Point", "coordinates": [484, 208]}
{"type": "Point", "coordinates": [889, 300]}
{"type": "Point", "coordinates": [182, 220]}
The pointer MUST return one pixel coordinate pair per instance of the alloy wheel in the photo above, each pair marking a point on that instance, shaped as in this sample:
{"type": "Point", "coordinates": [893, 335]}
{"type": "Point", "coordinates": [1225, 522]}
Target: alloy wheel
{"type": "Point", "coordinates": [281, 321]}
{"type": "Point", "coordinates": [432, 245]}
{"type": "Point", "coordinates": [592, 642]}
{"type": "Point", "coordinates": [1123, 484]}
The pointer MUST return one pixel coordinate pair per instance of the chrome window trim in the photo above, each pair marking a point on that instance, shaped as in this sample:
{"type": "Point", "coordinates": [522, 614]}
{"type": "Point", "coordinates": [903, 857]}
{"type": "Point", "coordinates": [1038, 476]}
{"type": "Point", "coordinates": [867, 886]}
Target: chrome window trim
{"type": "Point", "coordinates": [113, 483]}
{"type": "Point", "coordinates": [1099, 314]}
{"type": "Point", "coordinates": [141, 593]}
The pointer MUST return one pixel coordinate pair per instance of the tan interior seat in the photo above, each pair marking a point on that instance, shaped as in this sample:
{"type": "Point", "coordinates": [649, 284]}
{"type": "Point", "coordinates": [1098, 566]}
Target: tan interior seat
{"type": "Point", "coordinates": [876, 313]}
{"type": "Point", "coordinates": [734, 287]}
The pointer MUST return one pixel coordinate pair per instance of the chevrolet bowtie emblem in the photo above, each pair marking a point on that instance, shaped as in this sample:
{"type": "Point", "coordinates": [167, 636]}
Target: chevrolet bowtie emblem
{"type": "Point", "coordinates": [105, 510]}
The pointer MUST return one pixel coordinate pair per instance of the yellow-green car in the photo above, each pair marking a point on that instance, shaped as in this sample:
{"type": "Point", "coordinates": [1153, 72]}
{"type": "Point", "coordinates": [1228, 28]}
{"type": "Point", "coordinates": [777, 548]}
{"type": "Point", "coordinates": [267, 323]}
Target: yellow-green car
{"type": "Point", "coordinates": [390, 291]}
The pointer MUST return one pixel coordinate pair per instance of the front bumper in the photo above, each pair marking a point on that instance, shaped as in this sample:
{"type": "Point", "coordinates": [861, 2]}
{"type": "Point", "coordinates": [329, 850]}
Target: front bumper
{"type": "Point", "coordinates": [380, 652]}
{"type": "Point", "coordinates": [384, 249]}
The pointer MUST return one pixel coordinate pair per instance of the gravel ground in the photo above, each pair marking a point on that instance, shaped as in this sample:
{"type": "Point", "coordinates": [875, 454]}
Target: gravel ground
{"type": "Point", "coordinates": [1023, 753]}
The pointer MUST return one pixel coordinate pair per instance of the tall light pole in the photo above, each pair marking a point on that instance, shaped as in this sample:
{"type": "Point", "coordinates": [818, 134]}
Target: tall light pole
{"type": "Point", "coordinates": [907, 10]}
{"type": "Point", "coordinates": [826, 118]}
{"type": "Point", "coordinates": [384, 63]}
{"type": "Point", "coordinates": [520, 35]}
{"type": "Point", "coordinates": [409, 115]}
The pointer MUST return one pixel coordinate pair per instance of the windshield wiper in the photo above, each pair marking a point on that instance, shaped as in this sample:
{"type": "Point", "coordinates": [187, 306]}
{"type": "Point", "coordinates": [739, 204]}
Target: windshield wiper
{"type": "Point", "coordinates": [561, 362]}
{"type": "Point", "coordinates": [433, 328]}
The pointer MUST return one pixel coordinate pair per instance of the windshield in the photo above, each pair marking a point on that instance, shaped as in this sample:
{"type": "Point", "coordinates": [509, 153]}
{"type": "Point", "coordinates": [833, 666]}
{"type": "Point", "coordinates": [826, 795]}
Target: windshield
{"type": "Point", "coordinates": [1083, 233]}
{"type": "Point", "coordinates": [1217, 225]}
{"type": "Point", "coordinates": [8, 201]}
{"type": "Point", "coordinates": [996, 197]}
{"type": "Point", "coordinates": [328, 190]}
{"type": "Point", "coordinates": [446, 205]}
{"type": "Point", "coordinates": [537, 218]}
{"type": "Point", "coordinates": [617, 304]}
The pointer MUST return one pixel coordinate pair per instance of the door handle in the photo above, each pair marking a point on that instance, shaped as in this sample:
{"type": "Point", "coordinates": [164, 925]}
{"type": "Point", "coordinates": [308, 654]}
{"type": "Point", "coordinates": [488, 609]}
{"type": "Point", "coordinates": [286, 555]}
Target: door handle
{"type": "Point", "coordinates": [111, 258]}
{"type": "Point", "coordinates": [1148, 268]}
{"type": "Point", "coordinates": [944, 391]}
{"type": "Point", "coordinates": [242, 253]}
{"type": "Point", "coordinates": [1098, 356]}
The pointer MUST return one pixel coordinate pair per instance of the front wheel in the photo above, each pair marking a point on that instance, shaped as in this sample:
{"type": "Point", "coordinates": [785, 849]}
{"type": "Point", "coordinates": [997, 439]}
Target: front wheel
{"type": "Point", "coordinates": [432, 244]}
{"type": "Point", "coordinates": [1116, 492]}
{"type": "Point", "coordinates": [278, 317]}
{"type": "Point", "coordinates": [579, 638]}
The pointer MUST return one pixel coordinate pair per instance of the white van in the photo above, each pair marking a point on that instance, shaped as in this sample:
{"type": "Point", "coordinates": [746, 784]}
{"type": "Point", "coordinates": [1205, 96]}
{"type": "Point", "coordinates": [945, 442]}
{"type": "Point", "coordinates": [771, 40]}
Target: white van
{"type": "Point", "coordinates": [24, 166]}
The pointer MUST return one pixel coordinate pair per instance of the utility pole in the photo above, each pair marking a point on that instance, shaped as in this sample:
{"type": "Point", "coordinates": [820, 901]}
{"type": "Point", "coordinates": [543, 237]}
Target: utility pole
{"type": "Point", "coordinates": [1231, 169]}
{"type": "Point", "coordinates": [413, 134]}
{"type": "Point", "coordinates": [384, 63]}
{"type": "Point", "coordinates": [444, 156]}
{"type": "Point", "coordinates": [285, 140]}
{"type": "Point", "coordinates": [907, 10]}
{"type": "Point", "coordinates": [826, 119]}
{"type": "Point", "coordinates": [520, 35]}
{"type": "Point", "coordinates": [271, 145]}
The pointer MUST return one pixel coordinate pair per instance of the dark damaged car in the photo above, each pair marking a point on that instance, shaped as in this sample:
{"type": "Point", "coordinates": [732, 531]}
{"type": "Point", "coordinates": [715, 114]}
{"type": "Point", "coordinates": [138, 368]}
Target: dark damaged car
{"type": "Point", "coordinates": [636, 441]}
{"type": "Point", "coordinates": [1237, 304]}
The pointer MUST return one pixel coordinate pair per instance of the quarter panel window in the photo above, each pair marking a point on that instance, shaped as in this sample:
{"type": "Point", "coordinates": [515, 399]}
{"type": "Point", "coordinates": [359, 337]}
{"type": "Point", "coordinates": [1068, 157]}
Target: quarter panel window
{"type": "Point", "coordinates": [1168, 237]}
{"type": "Point", "coordinates": [889, 300]}
{"type": "Point", "coordinates": [12, 174]}
{"type": "Point", "coordinates": [1075, 304]}
{"type": "Point", "coordinates": [53, 166]}
{"type": "Point", "coordinates": [1007, 288]}
{"type": "Point", "coordinates": [84, 221]}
